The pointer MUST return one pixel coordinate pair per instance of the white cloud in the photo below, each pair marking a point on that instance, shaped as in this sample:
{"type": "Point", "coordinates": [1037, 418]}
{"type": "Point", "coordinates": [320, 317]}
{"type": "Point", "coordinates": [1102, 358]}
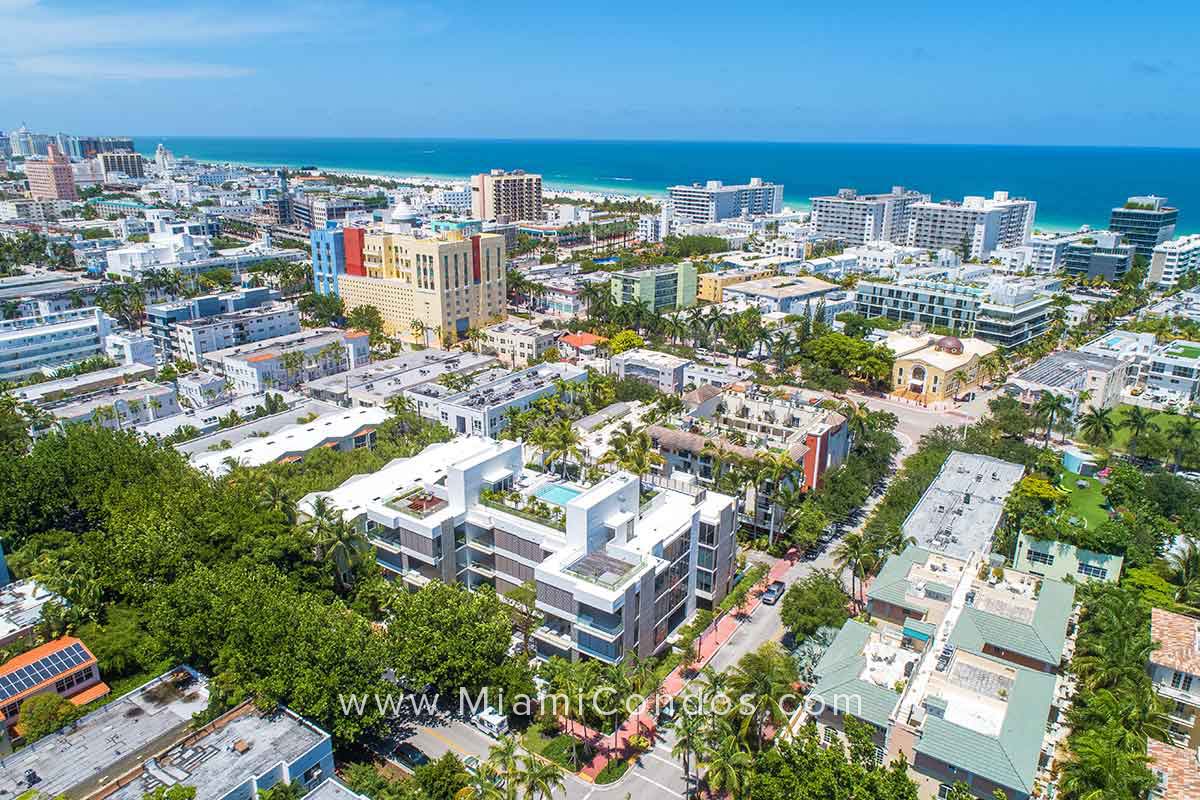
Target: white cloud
{"type": "Point", "coordinates": [117, 70]}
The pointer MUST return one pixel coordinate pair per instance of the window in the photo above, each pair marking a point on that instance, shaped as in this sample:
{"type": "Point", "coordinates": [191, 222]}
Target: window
{"type": "Point", "coordinates": [1092, 571]}
{"type": "Point", "coordinates": [1181, 681]}
{"type": "Point", "coordinates": [880, 755]}
{"type": "Point", "coordinates": [828, 736]}
{"type": "Point", "coordinates": [944, 791]}
{"type": "Point", "coordinates": [1038, 557]}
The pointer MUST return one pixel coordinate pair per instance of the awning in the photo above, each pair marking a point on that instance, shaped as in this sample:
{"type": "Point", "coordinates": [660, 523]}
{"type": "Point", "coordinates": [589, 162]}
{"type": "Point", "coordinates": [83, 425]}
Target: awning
{"type": "Point", "coordinates": [497, 475]}
{"type": "Point", "coordinates": [290, 459]}
{"type": "Point", "coordinates": [618, 519]}
{"type": "Point", "coordinates": [89, 694]}
{"type": "Point", "coordinates": [915, 629]}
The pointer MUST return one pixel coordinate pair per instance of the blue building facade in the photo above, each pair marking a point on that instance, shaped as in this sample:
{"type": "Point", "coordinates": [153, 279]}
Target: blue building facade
{"type": "Point", "coordinates": [162, 317]}
{"type": "Point", "coordinates": [328, 257]}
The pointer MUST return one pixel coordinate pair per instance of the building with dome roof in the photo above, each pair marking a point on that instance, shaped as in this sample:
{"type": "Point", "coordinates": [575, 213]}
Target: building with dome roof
{"type": "Point", "coordinates": [933, 369]}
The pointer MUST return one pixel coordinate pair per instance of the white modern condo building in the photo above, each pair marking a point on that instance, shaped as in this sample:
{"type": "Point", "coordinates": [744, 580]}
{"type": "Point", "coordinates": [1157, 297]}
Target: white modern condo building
{"type": "Point", "coordinates": [714, 201]}
{"type": "Point", "coordinates": [617, 565]}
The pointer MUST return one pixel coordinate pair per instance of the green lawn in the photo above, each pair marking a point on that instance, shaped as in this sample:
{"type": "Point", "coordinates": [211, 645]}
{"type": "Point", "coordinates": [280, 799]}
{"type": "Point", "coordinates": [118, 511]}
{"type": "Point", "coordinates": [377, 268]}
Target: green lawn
{"type": "Point", "coordinates": [1087, 504]}
{"type": "Point", "coordinates": [1120, 440]}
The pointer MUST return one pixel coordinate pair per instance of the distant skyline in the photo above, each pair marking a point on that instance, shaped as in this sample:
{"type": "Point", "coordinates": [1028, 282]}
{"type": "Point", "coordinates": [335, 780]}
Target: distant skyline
{"type": "Point", "coordinates": [1019, 73]}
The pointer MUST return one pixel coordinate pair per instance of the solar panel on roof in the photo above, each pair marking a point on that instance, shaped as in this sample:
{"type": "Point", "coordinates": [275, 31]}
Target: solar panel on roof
{"type": "Point", "coordinates": [42, 670]}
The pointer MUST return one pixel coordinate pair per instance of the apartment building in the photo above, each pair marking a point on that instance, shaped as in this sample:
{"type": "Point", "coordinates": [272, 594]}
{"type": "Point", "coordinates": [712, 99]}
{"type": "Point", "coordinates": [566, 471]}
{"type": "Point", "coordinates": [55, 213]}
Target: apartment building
{"type": "Point", "coordinates": [20, 210]}
{"type": "Point", "coordinates": [975, 227]}
{"type": "Point", "coordinates": [713, 201]}
{"type": "Point", "coordinates": [133, 403]}
{"type": "Point", "coordinates": [1103, 254]}
{"type": "Point", "coordinates": [239, 754]}
{"type": "Point", "coordinates": [509, 196]}
{"type": "Point", "coordinates": [32, 344]}
{"type": "Point", "coordinates": [615, 572]}
{"type": "Point", "coordinates": [1173, 260]}
{"type": "Point", "coordinates": [1175, 370]}
{"type": "Point", "coordinates": [1175, 673]}
{"type": "Point", "coordinates": [315, 213]}
{"type": "Point", "coordinates": [788, 294]}
{"type": "Point", "coordinates": [517, 344]}
{"type": "Point", "coordinates": [1007, 312]}
{"type": "Point", "coordinates": [1132, 348]}
{"type": "Point", "coordinates": [710, 287]}
{"type": "Point", "coordinates": [51, 179]}
{"type": "Point", "coordinates": [373, 385]}
{"type": "Point", "coordinates": [1058, 560]}
{"type": "Point", "coordinates": [195, 337]}
{"type": "Point", "coordinates": [119, 165]}
{"type": "Point", "coordinates": [162, 317]}
{"type": "Point", "coordinates": [346, 429]}
{"type": "Point", "coordinates": [64, 666]}
{"type": "Point", "coordinates": [1048, 250]}
{"type": "Point", "coordinates": [429, 288]}
{"type": "Point", "coordinates": [328, 257]}
{"type": "Point", "coordinates": [1145, 222]}
{"type": "Point", "coordinates": [60, 388]}
{"type": "Point", "coordinates": [1070, 374]}
{"type": "Point", "coordinates": [856, 218]}
{"type": "Point", "coordinates": [657, 288]}
{"type": "Point", "coordinates": [482, 409]}
{"type": "Point", "coordinates": [288, 360]}
{"type": "Point", "coordinates": [661, 370]}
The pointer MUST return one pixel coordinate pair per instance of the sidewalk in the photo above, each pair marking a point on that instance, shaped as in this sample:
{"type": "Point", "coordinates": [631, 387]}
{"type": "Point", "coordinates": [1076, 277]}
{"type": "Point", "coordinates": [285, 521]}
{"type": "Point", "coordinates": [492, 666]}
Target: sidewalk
{"type": "Point", "coordinates": [609, 746]}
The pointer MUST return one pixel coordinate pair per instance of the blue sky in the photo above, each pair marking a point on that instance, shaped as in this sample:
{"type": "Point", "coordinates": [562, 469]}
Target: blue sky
{"type": "Point", "coordinates": [1095, 73]}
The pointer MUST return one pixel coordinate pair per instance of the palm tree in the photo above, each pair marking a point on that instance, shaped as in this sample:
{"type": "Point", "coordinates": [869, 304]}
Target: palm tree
{"type": "Point", "coordinates": [292, 363]}
{"type": "Point", "coordinates": [726, 765]}
{"type": "Point", "coordinates": [858, 419]}
{"type": "Point", "coordinates": [418, 331]}
{"type": "Point", "coordinates": [1184, 563]}
{"type": "Point", "coordinates": [505, 759]}
{"type": "Point", "coordinates": [1050, 409]}
{"type": "Point", "coordinates": [851, 553]}
{"type": "Point", "coordinates": [763, 677]}
{"type": "Point", "coordinates": [340, 543]}
{"type": "Point", "coordinates": [776, 470]}
{"type": "Point", "coordinates": [1138, 421]}
{"type": "Point", "coordinates": [688, 729]}
{"type": "Point", "coordinates": [1097, 426]}
{"type": "Point", "coordinates": [482, 785]}
{"type": "Point", "coordinates": [563, 441]}
{"type": "Point", "coordinates": [539, 778]}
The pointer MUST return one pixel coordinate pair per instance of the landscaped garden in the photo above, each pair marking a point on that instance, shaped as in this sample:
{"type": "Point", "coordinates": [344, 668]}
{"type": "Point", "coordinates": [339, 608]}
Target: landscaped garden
{"type": "Point", "coordinates": [1084, 502]}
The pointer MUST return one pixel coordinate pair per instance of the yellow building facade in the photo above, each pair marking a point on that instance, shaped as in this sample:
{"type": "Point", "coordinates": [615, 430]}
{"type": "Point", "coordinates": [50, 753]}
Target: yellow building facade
{"type": "Point", "coordinates": [933, 369]}
{"type": "Point", "coordinates": [428, 289]}
{"type": "Point", "coordinates": [710, 287]}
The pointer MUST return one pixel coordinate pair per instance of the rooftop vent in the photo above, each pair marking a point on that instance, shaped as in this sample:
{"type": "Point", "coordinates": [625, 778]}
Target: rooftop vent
{"type": "Point", "coordinates": [241, 746]}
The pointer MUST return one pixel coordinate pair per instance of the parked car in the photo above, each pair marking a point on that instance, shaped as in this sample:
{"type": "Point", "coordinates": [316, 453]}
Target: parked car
{"type": "Point", "coordinates": [410, 756]}
{"type": "Point", "coordinates": [491, 722]}
{"type": "Point", "coordinates": [774, 592]}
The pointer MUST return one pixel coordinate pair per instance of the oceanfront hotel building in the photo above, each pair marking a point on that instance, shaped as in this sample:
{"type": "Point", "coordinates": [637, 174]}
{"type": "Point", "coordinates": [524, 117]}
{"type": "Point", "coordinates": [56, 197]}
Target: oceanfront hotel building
{"type": "Point", "coordinates": [618, 565]}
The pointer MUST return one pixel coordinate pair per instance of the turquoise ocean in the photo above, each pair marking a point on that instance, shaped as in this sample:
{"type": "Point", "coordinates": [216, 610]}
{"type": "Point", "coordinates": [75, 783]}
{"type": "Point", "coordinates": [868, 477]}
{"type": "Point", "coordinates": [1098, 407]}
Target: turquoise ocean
{"type": "Point", "coordinates": [1072, 185]}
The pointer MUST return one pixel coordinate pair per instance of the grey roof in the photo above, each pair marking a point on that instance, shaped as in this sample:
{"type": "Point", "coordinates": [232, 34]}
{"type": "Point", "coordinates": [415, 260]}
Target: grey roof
{"type": "Point", "coordinates": [1009, 759]}
{"type": "Point", "coordinates": [333, 789]}
{"type": "Point", "coordinates": [1041, 638]}
{"type": "Point", "coordinates": [1064, 368]}
{"type": "Point", "coordinates": [258, 427]}
{"type": "Point", "coordinates": [960, 510]}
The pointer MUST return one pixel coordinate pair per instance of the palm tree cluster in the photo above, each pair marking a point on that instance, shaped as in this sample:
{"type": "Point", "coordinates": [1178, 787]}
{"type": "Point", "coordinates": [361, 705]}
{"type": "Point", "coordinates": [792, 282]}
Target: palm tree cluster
{"type": "Point", "coordinates": [509, 773]}
{"type": "Point", "coordinates": [864, 553]}
{"type": "Point", "coordinates": [632, 449]}
{"type": "Point", "coordinates": [333, 540]}
{"type": "Point", "coordinates": [728, 720]}
{"type": "Point", "coordinates": [1116, 709]}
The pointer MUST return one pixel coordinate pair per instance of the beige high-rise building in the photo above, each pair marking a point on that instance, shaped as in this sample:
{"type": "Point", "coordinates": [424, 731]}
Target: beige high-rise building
{"type": "Point", "coordinates": [515, 195]}
{"type": "Point", "coordinates": [428, 288]}
{"type": "Point", "coordinates": [51, 179]}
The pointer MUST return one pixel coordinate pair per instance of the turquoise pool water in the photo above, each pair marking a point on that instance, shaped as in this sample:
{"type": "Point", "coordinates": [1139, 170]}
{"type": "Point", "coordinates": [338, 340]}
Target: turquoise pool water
{"type": "Point", "coordinates": [559, 495]}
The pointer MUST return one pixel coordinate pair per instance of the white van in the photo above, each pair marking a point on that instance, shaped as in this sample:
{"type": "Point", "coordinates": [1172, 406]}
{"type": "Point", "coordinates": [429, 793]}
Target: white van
{"type": "Point", "coordinates": [491, 722]}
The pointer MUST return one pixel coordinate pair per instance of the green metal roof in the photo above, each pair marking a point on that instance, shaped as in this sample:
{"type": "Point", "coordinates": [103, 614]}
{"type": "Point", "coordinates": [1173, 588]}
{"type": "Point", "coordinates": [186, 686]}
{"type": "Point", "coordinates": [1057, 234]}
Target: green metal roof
{"type": "Point", "coordinates": [940, 588]}
{"type": "Point", "coordinates": [840, 688]}
{"type": "Point", "coordinates": [891, 584]}
{"type": "Point", "coordinates": [1043, 638]}
{"type": "Point", "coordinates": [917, 625]}
{"type": "Point", "coordinates": [1010, 758]}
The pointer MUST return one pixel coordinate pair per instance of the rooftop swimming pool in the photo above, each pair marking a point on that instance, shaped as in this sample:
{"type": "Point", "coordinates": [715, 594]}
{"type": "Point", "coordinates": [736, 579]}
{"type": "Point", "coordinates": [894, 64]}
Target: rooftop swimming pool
{"type": "Point", "coordinates": [559, 495]}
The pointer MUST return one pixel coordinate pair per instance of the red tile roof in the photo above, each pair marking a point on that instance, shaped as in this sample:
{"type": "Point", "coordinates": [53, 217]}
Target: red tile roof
{"type": "Point", "coordinates": [578, 340]}
{"type": "Point", "coordinates": [1178, 636]}
{"type": "Point", "coordinates": [1179, 766]}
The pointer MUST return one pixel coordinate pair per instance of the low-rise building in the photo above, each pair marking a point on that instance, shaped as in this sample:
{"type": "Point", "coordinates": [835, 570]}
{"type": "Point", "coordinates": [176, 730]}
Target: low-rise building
{"type": "Point", "coordinates": [1058, 560]}
{"type": "Point", "coordinates": [286, 361]}
{"type": "Point", "coordinates": [374, 384]}
{"type": "Point", "coordinates": [1070, 374]}
{"type": "Point", "coordinates": [196, 337]}
{"type": "Point", "coordinates": [236, 755]}
{"type": "Point", "coordinates": [661, 370]}
{"type": "Point", "coordinates": [933, 369]}
{"type": "Point", "coordinates": [580, 345]}
{"type": "Point", "coordinates": [126, 405]}
{"type": "Point", "coordinates": [1175, 369]}
{"type": "Point", "coordinates": [615, 572]}
{"type": "Point", "coordinates": [482, 410]}
{"type": "Point", "coordinates": [1175, 674]}
{"type": "Point", "coordinates": [518, 343]}
{"type": "Point", "coordinates": [46, 392]}
{"type": "Point", "coordinates": [1132, 348]}
{"type": "Point", "coordinates": [128, 347]}
{"type": "Point", "coordinates": [64, 666]}
{"type": "Point", "coordinates": [33, 344]}
{"type": "Point", "coordinates": [21, 604]}
{"type": "Point", "coordinates": [960, 511]}
{"type": "Point", "coordinates": [1048, 250]}
{"type": "Point", "coordinates": [711, 285]}
{"type": "Point", "coordinates": [788, 294]}
{"type": "Point", "coordinates": [347, 429]}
